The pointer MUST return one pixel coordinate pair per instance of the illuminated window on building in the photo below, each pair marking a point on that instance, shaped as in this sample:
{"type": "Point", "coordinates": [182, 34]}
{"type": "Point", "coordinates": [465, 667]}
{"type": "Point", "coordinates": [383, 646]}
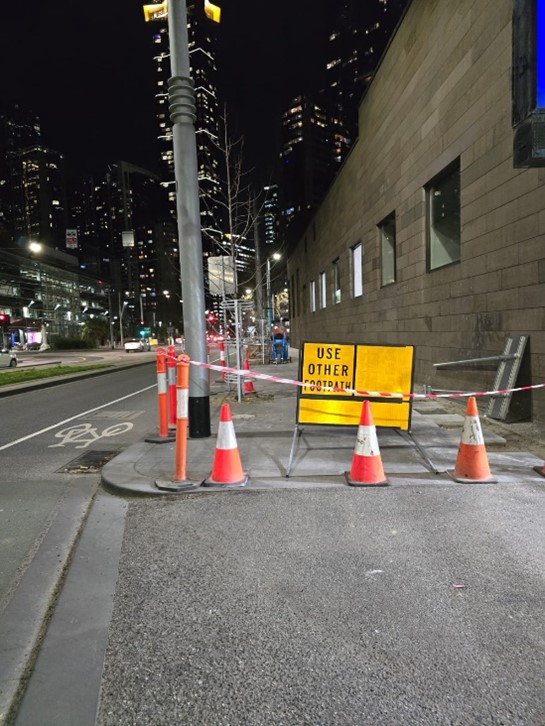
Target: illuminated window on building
{"type": "Point", "coordinates": [357, 277]}
{"type": "Point", "coordinates": [443, 218]}
{"type": "Point", "coordinates": [337, 280]}
{"type": "Point", "coordinates": [323, 290]}
{"type": "Point", "coordinates": [387, 229]}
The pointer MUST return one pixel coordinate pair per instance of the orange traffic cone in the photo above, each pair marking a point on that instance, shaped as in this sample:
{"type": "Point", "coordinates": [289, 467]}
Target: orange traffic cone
{"type": "Point", "coordinates": [472, 461]}
{"type": "Point", "coordinates": [367, 467]}
{"type": "Point", "coordinates": [248, 384]}
{"type": "Point", "coordinates": [227, 467]}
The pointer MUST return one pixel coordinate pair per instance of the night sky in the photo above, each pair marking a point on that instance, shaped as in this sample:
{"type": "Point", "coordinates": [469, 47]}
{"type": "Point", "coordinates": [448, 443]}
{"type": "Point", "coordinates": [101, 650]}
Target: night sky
{"type": "Point", "coordinates": [86, 70]}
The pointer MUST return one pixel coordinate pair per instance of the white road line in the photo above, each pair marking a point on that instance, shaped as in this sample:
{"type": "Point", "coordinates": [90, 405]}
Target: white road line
{"type": "Point", "coordinates": [73, 418]}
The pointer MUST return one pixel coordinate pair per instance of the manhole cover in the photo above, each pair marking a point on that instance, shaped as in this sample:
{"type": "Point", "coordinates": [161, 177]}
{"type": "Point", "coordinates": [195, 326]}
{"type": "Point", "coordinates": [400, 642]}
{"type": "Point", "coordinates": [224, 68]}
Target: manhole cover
{"type": "Point", "coordinates": [88, 462]}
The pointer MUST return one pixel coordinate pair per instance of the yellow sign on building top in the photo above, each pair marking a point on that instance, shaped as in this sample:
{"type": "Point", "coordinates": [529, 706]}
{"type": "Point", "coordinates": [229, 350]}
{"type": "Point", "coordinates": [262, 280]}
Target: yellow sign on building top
{"type": "Point", "coordinates": [159, 11]}
{"type": "Point", "coordinates": [213, 12]}
{"type": "Point", "coordinates": [338, 377]}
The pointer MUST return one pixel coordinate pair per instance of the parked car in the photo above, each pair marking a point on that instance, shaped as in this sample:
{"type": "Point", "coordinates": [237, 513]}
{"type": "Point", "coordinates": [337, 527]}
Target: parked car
{"type": "Point", "coordinates": [8, 358]}
{"type": "Point", "coordinates": [136, 344]}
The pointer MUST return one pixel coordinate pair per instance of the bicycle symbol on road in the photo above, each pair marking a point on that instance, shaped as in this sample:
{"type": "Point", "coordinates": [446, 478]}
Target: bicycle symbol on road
{"type": "Point", "coordinates": [85, 434]}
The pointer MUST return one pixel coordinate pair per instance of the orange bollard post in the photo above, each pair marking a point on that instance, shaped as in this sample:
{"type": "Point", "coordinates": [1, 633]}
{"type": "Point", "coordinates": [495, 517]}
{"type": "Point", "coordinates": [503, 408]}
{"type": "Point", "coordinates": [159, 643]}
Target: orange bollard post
{"type": "Point", "coordinates": [162, 392]}
{"type": "Point", "coordinates": [162, 401]}
{"type": "Point", "coordinates": [180, 481]}
{"type": "Point", "coordinates": [182, 394]}
{"type": "Point", "coordinates": [171, 381]}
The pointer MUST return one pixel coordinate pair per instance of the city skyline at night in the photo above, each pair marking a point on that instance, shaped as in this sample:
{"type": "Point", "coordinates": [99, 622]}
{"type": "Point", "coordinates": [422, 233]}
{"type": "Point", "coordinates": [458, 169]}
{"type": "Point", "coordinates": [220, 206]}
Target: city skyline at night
{"type": "Point", "coordinates": [90, 78]}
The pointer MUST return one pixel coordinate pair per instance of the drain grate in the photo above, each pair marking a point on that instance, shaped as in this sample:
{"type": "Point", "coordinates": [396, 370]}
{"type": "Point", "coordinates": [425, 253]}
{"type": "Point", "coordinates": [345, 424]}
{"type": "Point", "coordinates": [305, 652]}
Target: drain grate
{"type": "Point", "coordinates": [89, 462]}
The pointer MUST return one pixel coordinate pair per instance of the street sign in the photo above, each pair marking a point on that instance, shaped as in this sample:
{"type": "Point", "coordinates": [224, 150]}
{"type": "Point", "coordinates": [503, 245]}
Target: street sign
{"type": "Point", "coordinates": [325, 367]}
{"type": "Point", "coordinates": [71, 239]}
{"type": "Point", "coordinates": [221, 275]}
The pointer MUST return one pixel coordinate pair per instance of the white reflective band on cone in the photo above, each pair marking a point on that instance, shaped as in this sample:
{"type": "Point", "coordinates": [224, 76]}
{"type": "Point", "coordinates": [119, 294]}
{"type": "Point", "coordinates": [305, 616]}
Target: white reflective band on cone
{"type": "Point", "coordinates": [161, 382]}
{"type": "Point", "coordinates": [366, 441]}
{"type": "Point", "coordinates": [171, 375]}
{"type": "Point", "coordinates": [226, 436]}
{"type": "Point", "coordinates": [181, 402]}
{"type": "Point", "coordinates": [472, 433]}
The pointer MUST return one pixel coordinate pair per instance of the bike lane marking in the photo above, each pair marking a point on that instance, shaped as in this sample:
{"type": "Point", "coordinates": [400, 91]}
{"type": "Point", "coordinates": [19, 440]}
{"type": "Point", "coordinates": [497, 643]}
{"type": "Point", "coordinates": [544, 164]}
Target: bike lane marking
{"type": "Point", "coordinates": [73, 418]}
{"type": "Point", "coordinates": [85, 434]}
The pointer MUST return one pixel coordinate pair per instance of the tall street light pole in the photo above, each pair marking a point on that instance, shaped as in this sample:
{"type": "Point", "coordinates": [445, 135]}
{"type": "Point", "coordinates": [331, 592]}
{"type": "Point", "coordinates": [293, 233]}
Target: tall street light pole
{"type": "Point", "coordinates": [258, 269]}
{"type": "Point", "coordinates": [268, 292]}
{"type": "Point", "coordinates": [182, 113]}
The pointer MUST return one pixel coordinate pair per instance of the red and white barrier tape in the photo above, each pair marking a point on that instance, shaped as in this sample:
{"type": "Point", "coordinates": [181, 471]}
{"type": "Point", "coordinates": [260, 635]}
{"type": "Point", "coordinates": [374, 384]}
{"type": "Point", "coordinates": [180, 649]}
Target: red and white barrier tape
{"type": "Point", "coordinates": [356, 392]}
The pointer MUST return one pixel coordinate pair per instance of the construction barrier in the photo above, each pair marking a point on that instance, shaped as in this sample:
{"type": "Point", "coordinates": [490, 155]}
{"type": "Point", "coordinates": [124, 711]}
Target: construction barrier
{"type": "Point", "coordinates": [182, 390]}
{"type": "Point", "coordinates": [367, 469]}
{"type": "Point", "coordinates": [171, 381]}
{"type": "Point", "coordinates": [472, 461]}
{"type": "Point", "coordinates": [222, 357]}
{"type": "Point", "coordinates": [162, 393]}
{"type": "Point", "coordinates": [227, 467]}
{"type": "Point", "coordinates": [366, 392]}
{"type": "Point", "coordinates": [248, 385]}
{"type": "Point", "coordinates": [180, 481]}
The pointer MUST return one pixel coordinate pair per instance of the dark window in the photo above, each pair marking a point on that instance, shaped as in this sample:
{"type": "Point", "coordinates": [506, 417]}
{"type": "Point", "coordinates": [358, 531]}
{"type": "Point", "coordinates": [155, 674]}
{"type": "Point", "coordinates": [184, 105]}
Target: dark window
{"type": "Point", "coordinates": [443, 218]}
{"type": "Point", "coordinates": [387, 230]}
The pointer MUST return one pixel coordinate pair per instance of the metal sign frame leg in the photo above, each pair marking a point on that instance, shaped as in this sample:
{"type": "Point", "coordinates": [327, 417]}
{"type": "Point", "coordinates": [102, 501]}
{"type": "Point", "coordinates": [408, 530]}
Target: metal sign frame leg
{"type": "Point", "coordinates": [410, 437]}
{"type": "Point", "coordinates": [294, 446]}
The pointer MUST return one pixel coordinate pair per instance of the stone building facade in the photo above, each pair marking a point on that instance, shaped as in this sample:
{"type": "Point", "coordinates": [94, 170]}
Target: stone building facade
{"type": "Point", "coordinates": [429, 236]}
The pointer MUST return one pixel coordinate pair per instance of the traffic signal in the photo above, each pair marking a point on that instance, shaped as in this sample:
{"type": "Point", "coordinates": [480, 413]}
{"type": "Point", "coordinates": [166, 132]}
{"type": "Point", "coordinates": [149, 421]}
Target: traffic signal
{"type": "Point", "coordinates": [4, 319]}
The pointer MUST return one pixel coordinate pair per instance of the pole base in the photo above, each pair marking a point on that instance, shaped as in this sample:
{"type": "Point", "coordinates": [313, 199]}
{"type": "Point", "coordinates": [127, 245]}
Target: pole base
{"type": "Point", "coordinates": [176, 486]}
{"type": "Point", "coordinates": [156, 439]}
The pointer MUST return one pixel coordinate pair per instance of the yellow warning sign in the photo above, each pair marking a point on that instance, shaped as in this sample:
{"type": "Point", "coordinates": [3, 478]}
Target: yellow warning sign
{"type": "Point", "coordinates": [367, 371]}
{"type": "Point", "coordinates": [327, 365]}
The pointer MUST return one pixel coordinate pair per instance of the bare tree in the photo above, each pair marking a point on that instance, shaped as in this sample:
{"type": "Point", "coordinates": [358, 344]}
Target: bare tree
{"type": "Point", "coordinates": [235, 209]}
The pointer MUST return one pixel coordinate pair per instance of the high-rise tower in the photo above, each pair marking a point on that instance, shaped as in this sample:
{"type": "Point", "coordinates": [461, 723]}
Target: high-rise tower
{"type": "Point", "coordinates": [306, 157]}
{"type": "Point", "coordinates": [203, 22]}
{"type": "Point", "coordinates": [360, 32]}
{"type": "Point", "coordinates": [38, 187]}
{"type": "Point", "coordinates": [319, 131]}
